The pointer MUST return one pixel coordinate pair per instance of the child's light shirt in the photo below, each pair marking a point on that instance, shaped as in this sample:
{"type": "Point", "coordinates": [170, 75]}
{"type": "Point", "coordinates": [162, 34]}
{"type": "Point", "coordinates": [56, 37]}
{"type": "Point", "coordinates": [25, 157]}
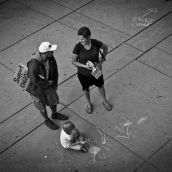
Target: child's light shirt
{"type": "Point", "coordinates": [65, 139]}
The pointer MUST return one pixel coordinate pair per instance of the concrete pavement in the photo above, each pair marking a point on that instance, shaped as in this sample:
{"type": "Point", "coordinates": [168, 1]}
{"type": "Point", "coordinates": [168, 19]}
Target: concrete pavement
{"type": "Point", "coordinates": [136, 136]}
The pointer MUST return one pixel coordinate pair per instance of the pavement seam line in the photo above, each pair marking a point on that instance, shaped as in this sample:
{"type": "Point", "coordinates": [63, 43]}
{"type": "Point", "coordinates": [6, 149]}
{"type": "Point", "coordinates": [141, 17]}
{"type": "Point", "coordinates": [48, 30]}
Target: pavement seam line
{"type": "Point", "coordinates": [145, 162]}
{"type": "Point", "coordinates": [157, 150]}
{"type": "Point", "coordinates": [27, 36]}
{"type": "Point", "coordinates": [14, 143]}
{"type": "Point", "coordinates": [163, 51]}
{"type": "Point", "coordinates": [6, 67]}
{"type": "Point", "coordinates": [144, 52]}
{"type": "Point", "coordinates": [74, 10]}
{"type": "Point", "coordinates": [134, 47]}
{"type": "Point", "coordinates": [154, 69]}
{"type": "Point", "coordinates": [29, 7]}
{"type": "Point", "coordinates": [6, 119]}
{"type": "Point", "coordinates": [154, 46]}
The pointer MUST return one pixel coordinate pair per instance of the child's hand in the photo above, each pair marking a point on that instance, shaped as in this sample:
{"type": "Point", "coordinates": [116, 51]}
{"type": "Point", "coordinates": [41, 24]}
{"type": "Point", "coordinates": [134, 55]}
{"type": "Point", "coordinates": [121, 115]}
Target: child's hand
{"type": "Point", "coordinates": [82, 142]}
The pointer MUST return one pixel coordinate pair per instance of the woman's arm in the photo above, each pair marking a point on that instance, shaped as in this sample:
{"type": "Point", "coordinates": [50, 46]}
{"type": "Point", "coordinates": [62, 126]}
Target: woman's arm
{"type": "Point", "coordinates": [104, 47]}
{"type": "Point", "coordinates": [78, 64]}
{"type": "Point", "coordinates": [105, 50]}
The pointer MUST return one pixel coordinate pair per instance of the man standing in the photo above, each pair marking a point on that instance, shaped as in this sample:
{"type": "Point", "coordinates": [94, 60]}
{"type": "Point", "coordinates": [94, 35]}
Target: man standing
{"type": "Point", "coordinates": [43, 74]}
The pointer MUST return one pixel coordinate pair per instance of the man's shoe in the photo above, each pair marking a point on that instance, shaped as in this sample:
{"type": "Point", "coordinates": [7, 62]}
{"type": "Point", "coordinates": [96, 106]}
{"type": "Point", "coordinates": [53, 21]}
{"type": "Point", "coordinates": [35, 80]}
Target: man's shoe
{"type": "Point", "coordinates": [50, 124]}
{"type": "Point", "coordinates": [59, 116]}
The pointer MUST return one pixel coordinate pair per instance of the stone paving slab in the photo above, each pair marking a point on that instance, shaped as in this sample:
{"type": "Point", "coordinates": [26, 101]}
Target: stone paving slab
{"type": "Point", "coordinates": [70, 90]}
{"type": "Point", "coordinates": [166, 45]}
{"type": "Point", "coordinates": [47, 7]}
{"type": "Point", "coordinates": [41, 151]}
{"type": "Point", "coordinates": [140, 96]}
{"type": "Point", "coordinates": [98, 31]}
{"type": "Point", "coordinates": [73, 4]}
{"type": "Point", "coordinates": [12, 98]}
{"type": "Point", "coordinates": [18, 22]}
{"type": "Point", "coordinates": [119, 58]}
{"type": "Point", "coordinates": [158, 59]}
{"type": "Point", "coordinates": [55, 33]}
{"type": "Point", "coordinates": [20, 124]}
{"type": "Point", "coordinates": [119, 14]}
{"type": "Point", "coordinates": [153, 35]}
{"type": "Point", "coordinates": [163, 158]}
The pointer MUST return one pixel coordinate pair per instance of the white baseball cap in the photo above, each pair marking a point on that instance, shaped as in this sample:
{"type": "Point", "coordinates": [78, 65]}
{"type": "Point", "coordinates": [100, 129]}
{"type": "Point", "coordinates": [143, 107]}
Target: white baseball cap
{"type": "Point", "coordinates": [47, 46]}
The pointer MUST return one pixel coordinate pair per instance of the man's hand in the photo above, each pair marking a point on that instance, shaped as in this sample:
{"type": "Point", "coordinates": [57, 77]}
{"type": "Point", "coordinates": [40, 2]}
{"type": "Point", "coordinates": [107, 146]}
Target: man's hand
{"type": "Point", "coordinates": [55, 87]}
{"type": "Point", "coordinates": [50, 82]}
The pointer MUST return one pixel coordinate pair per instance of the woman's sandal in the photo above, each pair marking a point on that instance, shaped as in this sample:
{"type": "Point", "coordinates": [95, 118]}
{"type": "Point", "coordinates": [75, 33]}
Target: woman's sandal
{"type": "Point", "coordinates": [108, 106]}
{"type": "Point", "coordinates": [89, 109]}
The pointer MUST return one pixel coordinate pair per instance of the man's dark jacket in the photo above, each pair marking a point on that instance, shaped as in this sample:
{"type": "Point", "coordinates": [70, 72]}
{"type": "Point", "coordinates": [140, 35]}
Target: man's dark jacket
{"type": "Point", "coordinates": [37, 74]}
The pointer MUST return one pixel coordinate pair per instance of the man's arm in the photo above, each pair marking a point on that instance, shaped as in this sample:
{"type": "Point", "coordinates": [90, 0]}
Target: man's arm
{"type": "Point", "coordinates": [34, 75]}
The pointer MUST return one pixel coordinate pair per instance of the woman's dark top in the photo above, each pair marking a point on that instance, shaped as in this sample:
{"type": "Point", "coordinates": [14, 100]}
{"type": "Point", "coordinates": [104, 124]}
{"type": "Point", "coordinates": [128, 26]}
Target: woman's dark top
{"type": "Point", "coordinates": [84, 55]}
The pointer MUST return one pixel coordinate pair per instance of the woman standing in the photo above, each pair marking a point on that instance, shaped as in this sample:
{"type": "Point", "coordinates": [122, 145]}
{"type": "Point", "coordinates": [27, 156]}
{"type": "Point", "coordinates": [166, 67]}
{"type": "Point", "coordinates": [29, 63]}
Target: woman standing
{"type": "Point", "coordinates": [88, 50]}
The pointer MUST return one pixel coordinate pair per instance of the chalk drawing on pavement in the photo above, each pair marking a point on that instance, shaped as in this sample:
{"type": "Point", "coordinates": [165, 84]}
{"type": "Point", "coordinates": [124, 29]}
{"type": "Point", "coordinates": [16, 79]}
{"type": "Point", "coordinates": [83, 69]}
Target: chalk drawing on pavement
{"type": "Point", "coordinates": [101, 151]}
{"type": "Point", "coordinates": [141, 120]}
{"type": "Point", "coordinates": [123, 130]}
{"type": "Point", "coordinates": [144, 21]}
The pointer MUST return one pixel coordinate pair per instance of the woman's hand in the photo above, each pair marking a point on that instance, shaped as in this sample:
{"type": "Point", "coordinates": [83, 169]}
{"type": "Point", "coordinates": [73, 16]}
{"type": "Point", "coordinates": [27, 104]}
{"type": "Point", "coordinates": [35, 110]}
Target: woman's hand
{"type": "Point", "coordinates": [88, 67]}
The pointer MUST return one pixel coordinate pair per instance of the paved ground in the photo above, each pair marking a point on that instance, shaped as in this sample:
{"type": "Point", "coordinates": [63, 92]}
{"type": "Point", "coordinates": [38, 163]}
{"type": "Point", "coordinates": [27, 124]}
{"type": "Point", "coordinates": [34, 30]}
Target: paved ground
{"type": "Point", "coordinates": [137, 134]}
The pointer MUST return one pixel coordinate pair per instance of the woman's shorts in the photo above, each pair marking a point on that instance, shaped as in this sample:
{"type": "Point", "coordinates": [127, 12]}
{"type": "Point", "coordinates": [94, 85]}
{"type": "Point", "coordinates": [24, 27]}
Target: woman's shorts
{"type": "Point", "coordinates": [87, 81]}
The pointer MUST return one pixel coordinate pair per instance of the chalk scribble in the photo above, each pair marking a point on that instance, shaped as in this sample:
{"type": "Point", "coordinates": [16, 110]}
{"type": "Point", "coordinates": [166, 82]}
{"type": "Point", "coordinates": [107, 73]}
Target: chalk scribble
{"type": "Point", "coordinates": [142, 120]}
{"type": "Point", "coordinates": [144, 21]}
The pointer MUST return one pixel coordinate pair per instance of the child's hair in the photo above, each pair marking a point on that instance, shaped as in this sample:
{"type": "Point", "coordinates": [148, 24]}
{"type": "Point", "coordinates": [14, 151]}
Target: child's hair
{"type": "Point", "coordinates": [68, 126]}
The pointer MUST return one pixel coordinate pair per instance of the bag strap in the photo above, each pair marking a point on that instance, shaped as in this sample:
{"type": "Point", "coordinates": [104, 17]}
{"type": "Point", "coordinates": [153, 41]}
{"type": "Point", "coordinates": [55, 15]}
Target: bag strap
{"type": "Point", "coordinates": [102, 56]}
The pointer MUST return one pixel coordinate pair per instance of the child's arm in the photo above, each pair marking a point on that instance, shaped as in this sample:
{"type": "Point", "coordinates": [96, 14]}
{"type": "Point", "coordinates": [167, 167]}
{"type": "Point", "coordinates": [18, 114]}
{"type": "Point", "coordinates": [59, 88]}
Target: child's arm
{"type": "Point", "coordinates": [78, 142]}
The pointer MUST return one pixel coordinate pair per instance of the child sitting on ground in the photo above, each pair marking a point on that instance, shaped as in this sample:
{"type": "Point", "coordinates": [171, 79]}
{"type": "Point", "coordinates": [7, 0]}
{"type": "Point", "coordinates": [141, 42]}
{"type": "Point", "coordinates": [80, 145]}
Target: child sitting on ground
{"type": "Point", "coordinates": [70, 137]}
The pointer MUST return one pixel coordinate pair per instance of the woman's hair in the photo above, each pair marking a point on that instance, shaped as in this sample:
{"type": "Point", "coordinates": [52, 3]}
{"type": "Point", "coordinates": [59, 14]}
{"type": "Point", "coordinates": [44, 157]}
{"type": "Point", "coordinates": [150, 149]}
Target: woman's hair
{"type": "Point", "coordinates": [84, 31]}
{"type": "Point", "coordinates": [68, 126]}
